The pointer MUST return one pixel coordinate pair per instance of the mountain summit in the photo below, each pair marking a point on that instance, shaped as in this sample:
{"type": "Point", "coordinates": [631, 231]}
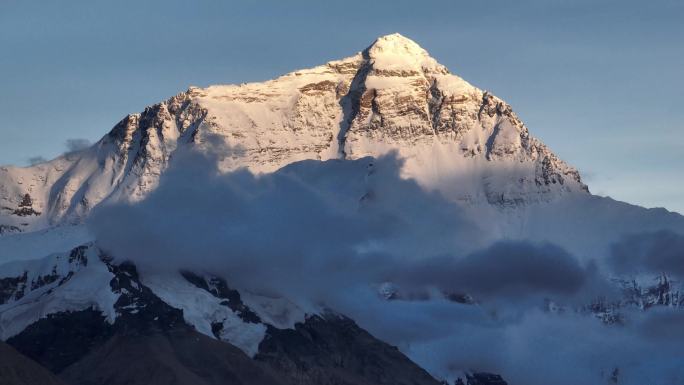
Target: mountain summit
{"type": "Point", "coordinates": [392, 96]}
{"type": "Point", "coordinates": [398, 53]}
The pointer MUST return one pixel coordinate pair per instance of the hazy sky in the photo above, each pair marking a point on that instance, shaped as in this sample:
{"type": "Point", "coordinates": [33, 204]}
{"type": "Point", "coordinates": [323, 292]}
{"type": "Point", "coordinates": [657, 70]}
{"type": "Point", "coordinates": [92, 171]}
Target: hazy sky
{"type": "Point", "coordinates": [600, 82]}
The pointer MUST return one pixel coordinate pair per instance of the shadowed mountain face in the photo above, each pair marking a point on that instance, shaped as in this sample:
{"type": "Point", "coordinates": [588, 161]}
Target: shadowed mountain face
{"type": "Point", "coordinates": [16, 369]}
{"type": "Point", "coordinates": [332, 349]}
{"type": "Point", "coordinates": [174, 357]}
{"type": "Point", "coordinates": [322, 351]}
{"type": "Point", "coordinates": [185, 357]}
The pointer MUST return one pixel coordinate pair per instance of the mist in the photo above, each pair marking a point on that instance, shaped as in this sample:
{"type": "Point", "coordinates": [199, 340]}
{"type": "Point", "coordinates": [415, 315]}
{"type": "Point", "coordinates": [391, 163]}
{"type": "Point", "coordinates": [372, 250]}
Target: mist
{"type": "Point", "coordinates": [330, 234]}
{"type": "Point", "coordinates": [649, 252]}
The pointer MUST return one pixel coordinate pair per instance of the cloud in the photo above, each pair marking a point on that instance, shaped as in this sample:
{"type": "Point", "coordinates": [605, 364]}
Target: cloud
{"type": "Point", "coordinates": [505, 269]}
{"type": "Point", "coordinates": [310, 226]}
{"type": "Point", "coordinates": [661, 324]}
{"type": "Point", "coordinates": [34, 160]}
{"type": "Point", "coordinates": [652, 252]}
{"type": "Point", "coordinates": [314, 227]}
{"type": "Point", "coordinates": [76, 144]}
{"type": "Point", "coordinates": [536, 348]}
{"type": "Point", "coordinates": [331, 232]}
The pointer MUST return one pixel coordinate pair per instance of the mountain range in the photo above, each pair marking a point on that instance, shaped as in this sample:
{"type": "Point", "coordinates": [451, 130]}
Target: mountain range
{"type": "Point", "coordinates": [377, 132]}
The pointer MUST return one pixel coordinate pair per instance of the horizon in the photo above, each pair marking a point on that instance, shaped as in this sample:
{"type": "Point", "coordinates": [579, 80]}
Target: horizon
{"type": "Point", "coordinates": [613, 114]}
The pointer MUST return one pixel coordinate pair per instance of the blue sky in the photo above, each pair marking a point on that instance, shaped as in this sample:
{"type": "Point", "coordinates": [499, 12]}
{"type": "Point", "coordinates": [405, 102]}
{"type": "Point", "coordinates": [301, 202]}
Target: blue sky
{"type": "Point", "coordinates": [599, 81]}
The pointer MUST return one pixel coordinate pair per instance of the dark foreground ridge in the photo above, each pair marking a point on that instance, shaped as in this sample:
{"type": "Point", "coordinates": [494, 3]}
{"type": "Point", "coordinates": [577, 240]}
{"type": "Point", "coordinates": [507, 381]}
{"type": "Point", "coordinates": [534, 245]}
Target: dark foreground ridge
{"type": "Point", "coordinates": [17, 369]}
{"type": "Point", "coordinates": [150, 343]}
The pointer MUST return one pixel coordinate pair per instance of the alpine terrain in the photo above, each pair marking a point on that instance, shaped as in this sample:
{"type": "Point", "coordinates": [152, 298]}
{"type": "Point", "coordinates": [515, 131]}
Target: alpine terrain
{"type": "Point", "coordinates": [361, 137]}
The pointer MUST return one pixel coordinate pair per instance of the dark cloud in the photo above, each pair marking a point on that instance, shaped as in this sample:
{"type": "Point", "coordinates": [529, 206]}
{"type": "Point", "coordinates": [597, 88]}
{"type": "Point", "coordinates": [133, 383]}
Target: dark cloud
{"type": "Point", "coordinates": [34, 160]}
{"type": "Point", "coordinates": [653, 252]}
{"type": "Point", "coordinates": [505, 269]}
{"type": "Point", "coordinates": [661, 324]}
{"type": "Point", "coordinates": [76, 144]}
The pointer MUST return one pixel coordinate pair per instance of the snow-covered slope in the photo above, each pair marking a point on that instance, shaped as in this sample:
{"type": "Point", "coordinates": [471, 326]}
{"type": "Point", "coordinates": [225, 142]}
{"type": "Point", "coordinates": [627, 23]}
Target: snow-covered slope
{"type": "Point", "coordinates": [76, 280]}
{"type": "Point", "coordinates": [86, 278]}
{"type": "Point", "coordinates": [391, 97]}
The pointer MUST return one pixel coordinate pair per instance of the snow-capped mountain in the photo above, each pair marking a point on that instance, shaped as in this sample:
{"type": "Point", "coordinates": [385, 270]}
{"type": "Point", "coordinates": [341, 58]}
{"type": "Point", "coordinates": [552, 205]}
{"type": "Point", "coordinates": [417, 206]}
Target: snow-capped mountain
{"type": "Point", "coordinates": [390, 97]}
{"type": "Point", "coordinates": [465, 158]}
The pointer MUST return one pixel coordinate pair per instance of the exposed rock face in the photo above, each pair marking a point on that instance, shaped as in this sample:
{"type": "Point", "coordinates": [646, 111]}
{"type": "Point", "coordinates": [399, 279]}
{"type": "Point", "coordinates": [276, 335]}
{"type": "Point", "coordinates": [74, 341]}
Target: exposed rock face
{"type": "Point", "coordinates": [39, 287]}
{"type": "Point", "coordinates": [174, 357]}
{"type": "Point", "coordinates": [61, 339]}
{"type": "Point", "coordinates": [12, 288]}
{"type": "Point", "coordinates": [68, 332]}
{"type": "Point", "coordinates": [219, 288]}
{"type": "Point", "coordinates": [9, 229]}
{"type": "Point", "coordinates": [182, 356]}
{"type": "Point", "coordinates": [25, 207]}
{"type": "Point", "coordinates": [19, 280]}
{"type": "Point", "coordinates": [658, 292]}
{"type": "Point", "coordinates": [391, 97]}
{"type": "Point", "coordinates": [331, 349]}
{"type": "Point", "coordinates": [84, 349]}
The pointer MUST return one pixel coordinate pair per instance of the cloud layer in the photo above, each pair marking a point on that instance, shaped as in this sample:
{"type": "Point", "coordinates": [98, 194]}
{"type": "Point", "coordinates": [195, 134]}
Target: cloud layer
{"type": "Point", "coordinates": [331, 232]}
{"type": "Point", "coordinates": [651, 252]}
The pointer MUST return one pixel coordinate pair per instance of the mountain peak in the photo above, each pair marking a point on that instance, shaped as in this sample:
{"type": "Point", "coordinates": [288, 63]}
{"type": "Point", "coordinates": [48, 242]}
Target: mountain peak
{"type": "Point", "coordinates": [396, 52]}
{"type": "Point", "coordinates": [397, 44]}
{"type": "Point", "coordinates": [393, 96]}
